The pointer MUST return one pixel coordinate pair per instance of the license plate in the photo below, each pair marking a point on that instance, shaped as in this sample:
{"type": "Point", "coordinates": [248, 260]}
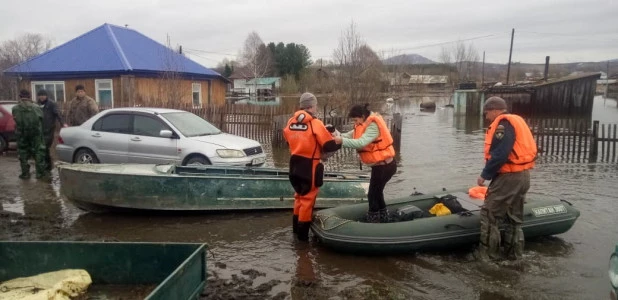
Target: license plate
{"type": "Point", "coordinates": [549, 210]}
{"type": "Point", "coordinates": [258, 161]}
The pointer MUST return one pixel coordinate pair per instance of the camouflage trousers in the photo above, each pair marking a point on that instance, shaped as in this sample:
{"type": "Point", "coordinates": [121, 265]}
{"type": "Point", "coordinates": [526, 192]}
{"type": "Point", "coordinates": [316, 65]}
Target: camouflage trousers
{"type": "Point", "coordinates": [31, 147]}
{"type": "Point", "coordinates": [504, 204]}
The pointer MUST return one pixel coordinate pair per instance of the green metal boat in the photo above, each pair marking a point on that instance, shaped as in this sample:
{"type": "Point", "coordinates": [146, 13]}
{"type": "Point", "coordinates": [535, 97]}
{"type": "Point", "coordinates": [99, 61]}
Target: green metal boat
{"type": "Point", "coordinates": [341, 228]}
{"type": "Point", "coordinates": [101, 187]}
{"type": "Point", "coordinates": [167, 270]}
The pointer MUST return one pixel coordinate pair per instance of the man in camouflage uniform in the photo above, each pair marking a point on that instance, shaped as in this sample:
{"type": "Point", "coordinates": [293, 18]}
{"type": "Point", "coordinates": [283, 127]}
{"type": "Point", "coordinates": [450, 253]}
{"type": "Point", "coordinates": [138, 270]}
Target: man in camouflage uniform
{"type": "Point", "coordinates": [29, 132]}
{"type": "Point", "coordinates": [81, 108]}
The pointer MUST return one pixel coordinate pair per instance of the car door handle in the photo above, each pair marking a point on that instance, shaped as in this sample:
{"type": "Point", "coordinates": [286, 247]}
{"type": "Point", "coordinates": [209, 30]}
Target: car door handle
{"type": "Point", "coordinates": [96, 135]}
{"type": "Point", "coordinates": [136, 139]}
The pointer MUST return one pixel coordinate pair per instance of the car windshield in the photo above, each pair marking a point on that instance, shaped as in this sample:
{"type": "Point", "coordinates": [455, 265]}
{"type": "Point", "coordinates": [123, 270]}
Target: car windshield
{"type": "Point", "coordinates": [190, 125]}
{"type": "Point", "coordinates": [8, 107]}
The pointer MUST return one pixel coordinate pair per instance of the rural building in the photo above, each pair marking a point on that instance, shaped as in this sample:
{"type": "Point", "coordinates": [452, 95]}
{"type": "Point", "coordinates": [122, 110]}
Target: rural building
{"type": "Point", "coordinates": [119, 66]}
{"type": "Point", "coordinates": [429, 81]}
{"type": "Point", "coordinates": [263, 86]}
{"type": "Point", "coordinates": [242, 84]}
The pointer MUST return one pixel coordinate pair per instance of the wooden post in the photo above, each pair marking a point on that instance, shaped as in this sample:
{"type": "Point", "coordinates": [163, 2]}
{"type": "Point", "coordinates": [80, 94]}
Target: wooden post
{"type": "Point", "coordinates": [594, 145]}
{"type": "Point", "coordinates": [546, 72]}
{"type": "Point", "coordinates": [586, 135]}
{"type": "Point", "coordinates": [483, 71]}
{"type": "Point", "coordinates": [602, 142]}
{"type": "Point", "coordinates": [614, 141]}
{"type": "Point", "coordinates": [579, 142]}
{"type": "Point", "coordinates": [508, 69]}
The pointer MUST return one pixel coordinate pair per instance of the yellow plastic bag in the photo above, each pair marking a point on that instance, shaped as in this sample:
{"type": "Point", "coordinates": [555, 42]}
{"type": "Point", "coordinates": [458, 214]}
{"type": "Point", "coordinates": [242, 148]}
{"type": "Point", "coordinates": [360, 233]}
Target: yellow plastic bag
{"type": "Point", "coordinates": [59, 285]}
{"type": "Point", "coordinates": [440, 210]}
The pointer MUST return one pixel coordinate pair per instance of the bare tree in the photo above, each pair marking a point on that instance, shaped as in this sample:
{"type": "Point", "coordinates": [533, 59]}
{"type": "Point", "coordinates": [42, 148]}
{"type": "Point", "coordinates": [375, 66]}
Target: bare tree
{"type": "Point", "coordinates": [255, 57]}
{"type": "Point", "coordinates": [359, 67]}
{"type": "Point", "coordinates": [464, 58]}
{"type": "Point", "coordinates": [171, 92]}
{"type": "Point", "coordinates": [16, 51]}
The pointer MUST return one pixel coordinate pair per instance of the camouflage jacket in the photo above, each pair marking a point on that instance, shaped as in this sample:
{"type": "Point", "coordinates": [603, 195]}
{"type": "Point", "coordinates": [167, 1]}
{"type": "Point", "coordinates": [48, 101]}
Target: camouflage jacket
{"type": "Point", "coordinates": [80, 110]}
{"type": "Point", "coordinates": [28, 119]}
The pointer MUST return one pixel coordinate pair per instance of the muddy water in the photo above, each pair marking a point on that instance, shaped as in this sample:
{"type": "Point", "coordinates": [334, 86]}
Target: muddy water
{"type": "Point", "coordinates": [252, 255]}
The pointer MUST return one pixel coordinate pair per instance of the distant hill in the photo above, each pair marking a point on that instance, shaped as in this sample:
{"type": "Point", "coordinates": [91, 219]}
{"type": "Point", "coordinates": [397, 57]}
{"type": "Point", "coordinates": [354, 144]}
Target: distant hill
{"type": "Point", "coordinates": [408, 59]}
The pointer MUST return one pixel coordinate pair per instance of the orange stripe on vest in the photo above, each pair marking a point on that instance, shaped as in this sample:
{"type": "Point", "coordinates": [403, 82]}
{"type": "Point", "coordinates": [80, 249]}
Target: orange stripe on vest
{"type": "Point", "coordinates": [524, 149]}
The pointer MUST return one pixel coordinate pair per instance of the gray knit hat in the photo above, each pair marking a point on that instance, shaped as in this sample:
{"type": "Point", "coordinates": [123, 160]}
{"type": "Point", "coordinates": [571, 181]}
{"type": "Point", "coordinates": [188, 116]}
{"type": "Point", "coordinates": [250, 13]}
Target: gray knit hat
{"type": "Point", "coordinates": [495, 103]}
{"type": "Point", "coordinates": [308, 100]}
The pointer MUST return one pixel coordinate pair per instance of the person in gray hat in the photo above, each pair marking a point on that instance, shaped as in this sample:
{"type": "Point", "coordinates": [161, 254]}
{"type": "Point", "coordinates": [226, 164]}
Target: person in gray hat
{"type": "Point", "coordinates": [308, 138]}
{"type": "Point", "coordinates": [510, 152]}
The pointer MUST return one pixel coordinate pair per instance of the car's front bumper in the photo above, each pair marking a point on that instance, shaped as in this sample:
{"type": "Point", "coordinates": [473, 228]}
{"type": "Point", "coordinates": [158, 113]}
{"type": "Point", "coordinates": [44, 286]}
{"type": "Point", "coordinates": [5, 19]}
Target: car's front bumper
{"type": "Point", "coordinates": [64, 153]}
{"type": "Point", "coordinates": [249, 161]}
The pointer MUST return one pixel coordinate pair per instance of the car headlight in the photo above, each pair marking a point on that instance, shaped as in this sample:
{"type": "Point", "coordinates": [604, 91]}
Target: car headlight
{"type": "Point", "coordinates": [230, 153]}
{"type": "Point", "coordinates": [613, 270]}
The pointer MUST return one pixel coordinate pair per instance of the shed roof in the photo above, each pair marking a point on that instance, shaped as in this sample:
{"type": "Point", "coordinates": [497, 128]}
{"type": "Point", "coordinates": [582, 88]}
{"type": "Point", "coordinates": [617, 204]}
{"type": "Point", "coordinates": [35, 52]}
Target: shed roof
{"type": "Point", "coordinates": [110, 50]}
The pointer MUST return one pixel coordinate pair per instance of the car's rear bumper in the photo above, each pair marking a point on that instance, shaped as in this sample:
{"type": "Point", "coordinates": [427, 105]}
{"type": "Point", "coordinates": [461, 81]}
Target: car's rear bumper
{"type": "Point", "coordinates": [64, 153]}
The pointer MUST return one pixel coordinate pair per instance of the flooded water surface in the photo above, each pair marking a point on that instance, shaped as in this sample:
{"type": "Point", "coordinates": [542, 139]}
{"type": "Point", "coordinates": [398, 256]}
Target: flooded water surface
{"type": "Point", "coordinates": [253, 255]}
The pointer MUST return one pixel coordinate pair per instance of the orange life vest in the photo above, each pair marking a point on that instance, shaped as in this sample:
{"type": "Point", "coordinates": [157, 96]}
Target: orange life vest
{"type": "Point", "coordinates": [300, 135]}
{"type": "Point", "coordinates": [382, 147]}
{"type": "Point", "coordinates": [524, 149]}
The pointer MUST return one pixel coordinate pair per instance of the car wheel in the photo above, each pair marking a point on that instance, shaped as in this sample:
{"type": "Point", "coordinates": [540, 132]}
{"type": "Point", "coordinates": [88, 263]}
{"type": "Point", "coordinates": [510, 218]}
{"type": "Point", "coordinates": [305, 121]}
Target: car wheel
{"type": "Point", "coordinates": [85, 156]}
{"type": "Point", "coordinates": [197, 160]}
{"type": "Point", "coordinates": [4, 145]}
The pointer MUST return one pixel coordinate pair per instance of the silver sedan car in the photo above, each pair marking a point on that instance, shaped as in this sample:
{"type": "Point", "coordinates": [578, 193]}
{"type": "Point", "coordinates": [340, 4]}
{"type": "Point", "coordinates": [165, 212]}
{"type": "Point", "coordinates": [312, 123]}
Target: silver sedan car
{"type": "Point", "coordinates": [155, 136]}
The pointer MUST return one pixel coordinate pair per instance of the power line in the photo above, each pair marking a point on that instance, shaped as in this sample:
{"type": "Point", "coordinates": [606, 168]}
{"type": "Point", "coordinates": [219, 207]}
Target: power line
{"type": "Point", "coordinates": [428, 45]}
{"type": "Point", "coordinates": [583, 36]}
{"type": "Point", "coordinates": [211, 52]}
{"type": "Point", "coordinates": [200, 56]}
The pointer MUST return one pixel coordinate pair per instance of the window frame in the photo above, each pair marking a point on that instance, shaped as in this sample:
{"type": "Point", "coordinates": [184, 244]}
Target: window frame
{"type": "Point", "coordinates": [165, 125]}
{"type": "Point", "coordinates": [96, 89]}
{"type": "Point", "coordinates": [100, 121]}
{"type": "Point", "coordinates": [199, 91]}
{"type": "Point", "coordinates": [34, 92]}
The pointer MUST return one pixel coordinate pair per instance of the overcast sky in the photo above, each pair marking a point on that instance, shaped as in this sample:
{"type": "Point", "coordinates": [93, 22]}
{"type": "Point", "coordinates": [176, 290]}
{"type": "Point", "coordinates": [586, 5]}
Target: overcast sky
{"type": "Point", "coordinates": [566, 30]}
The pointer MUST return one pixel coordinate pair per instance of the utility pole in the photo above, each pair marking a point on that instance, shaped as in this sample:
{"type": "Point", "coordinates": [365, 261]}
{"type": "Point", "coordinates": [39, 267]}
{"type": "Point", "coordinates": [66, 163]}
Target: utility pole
{"type": "Point", "coordinates": [508, 69]}
{"type": "Point", "coordinates": [546, 72]}
{"type": "Point", "coordinates": [607, 80]}
{"type": "Point", "coordinates": [180, 49]}
{"type": "Point", "coordinates": [483, 71]}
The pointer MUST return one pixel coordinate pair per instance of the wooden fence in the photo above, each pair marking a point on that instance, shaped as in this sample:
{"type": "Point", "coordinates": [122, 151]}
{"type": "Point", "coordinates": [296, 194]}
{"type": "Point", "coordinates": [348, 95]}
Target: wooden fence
{"type": "Point", "coordinates": [575, 139]}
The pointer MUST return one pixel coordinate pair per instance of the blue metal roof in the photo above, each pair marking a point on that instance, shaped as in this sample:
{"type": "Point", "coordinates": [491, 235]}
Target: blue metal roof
{"type": "Point", "coordinates": [110, 50]}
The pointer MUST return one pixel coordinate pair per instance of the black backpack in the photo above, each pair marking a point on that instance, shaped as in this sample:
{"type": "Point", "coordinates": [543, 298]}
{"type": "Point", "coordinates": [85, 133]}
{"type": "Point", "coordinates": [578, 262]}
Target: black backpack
{"type": "Point", "coordinates": [451, 203]}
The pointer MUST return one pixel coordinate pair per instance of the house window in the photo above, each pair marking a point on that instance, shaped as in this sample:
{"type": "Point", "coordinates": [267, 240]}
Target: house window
{"type": "Point", "coordinates": [104, 92]}
{"type": "Point", "coordinates": [197, 94]}
{"type": "Point", "coordinates": [55, 89]}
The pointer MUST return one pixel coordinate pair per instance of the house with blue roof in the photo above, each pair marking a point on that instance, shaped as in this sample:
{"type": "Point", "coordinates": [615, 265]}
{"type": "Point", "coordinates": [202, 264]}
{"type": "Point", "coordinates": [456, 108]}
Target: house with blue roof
{"type": "Point", "coordinates": [118, 67]}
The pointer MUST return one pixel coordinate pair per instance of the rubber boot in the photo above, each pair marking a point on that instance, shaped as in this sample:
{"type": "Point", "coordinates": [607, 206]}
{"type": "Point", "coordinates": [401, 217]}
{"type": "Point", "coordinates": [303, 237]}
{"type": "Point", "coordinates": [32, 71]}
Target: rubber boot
{"type": "Point", "coordinates": [25, 170]}
{"type": "Point", "coordinates": [514, 242]}
{"type": "Point", "coordinates": [295, 224]}
{"type": "Point", "coordinates": [303, 231]}
{"type": "Point", "coordinates": [384, 218]}
{"type": "Point", "coordinates": [373, 217]}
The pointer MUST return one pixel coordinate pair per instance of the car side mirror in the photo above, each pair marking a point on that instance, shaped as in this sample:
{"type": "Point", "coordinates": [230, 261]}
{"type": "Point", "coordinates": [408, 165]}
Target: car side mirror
{"type": "Point", "coordinates": [166, 134]}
